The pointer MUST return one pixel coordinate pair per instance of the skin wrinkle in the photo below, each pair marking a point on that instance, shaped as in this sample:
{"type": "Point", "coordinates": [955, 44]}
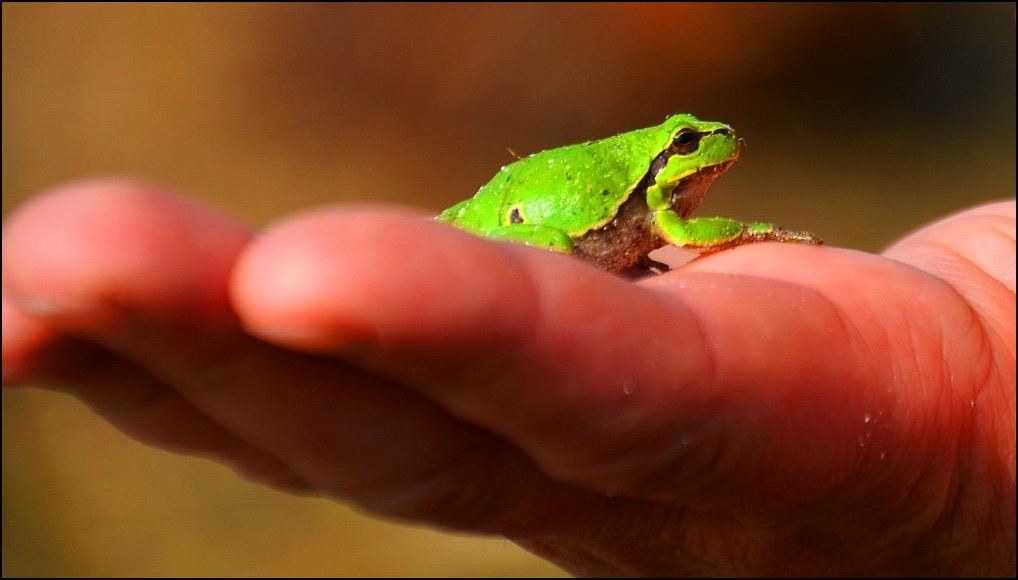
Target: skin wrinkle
{"type": "Point", "coordinates": [927, 513]}
{"type": "Point", "coordinates": [623, 542]}
{"type": "Point", "coordinates": [518, 356]}
{"type": "Point", "coordinates": [126, 409]}
{"type": "Point", "coordinates": [101, 363]}
{"type": "Point", "coordinates": [70, 359]}
{"type": "Point", "coordinates": [1008, 239]}
{"type": "Point", "coordinates": [979, 324]}
{"type": "Point", "coordinates": [456, 485]}
{"type": "Point", "coordinates": [838, 315]}
{"type": "Point", "coordinates": [583, 559]}
{"type": "Point", "coordinates": [984, 324]}
{"type": "Point", "coordinates": [662, 457]}
{"type": "Point", "coordinates": [841, 318]}
{"type": "Point", "coordinates": [633, 489]}
{"type": "Point", "coordinates": [232, 365]}
{"type": "Point", "coordinates": [919, 478]}
{"type": "Point", "coordinates": [955, 488]}
{"type": "Point", "coordinates": [434, 495]}
{"type": "Point", "coordinates": [386, 481]}
{"type": "Point", "coordinates": [641, 467]}
{"type": "Point", "coordinates": [206, 379]}
{"type": "Point", "coordinates": [919, 505]}
{"type": "Point", "coordinates": [710, 462]}
{"type": "Point", "coordinates": [484, 372]}
{"type": "Point", "coordinates": [636, 463]}
{"type": "Point", "coordinates": [628, 456]}
{"type": "Point", "coordinates": [707, 358]}
{"type": "Point", "coordinates": [988, 333]}
{"type": "Point", "coordinates": [876, 352]}
{"type": "Point", "coordinates": [556, 464]}
{"type": "Point", "coordinates": [938, 511]}
{"type": "Point", "coordinates": [946, 517]}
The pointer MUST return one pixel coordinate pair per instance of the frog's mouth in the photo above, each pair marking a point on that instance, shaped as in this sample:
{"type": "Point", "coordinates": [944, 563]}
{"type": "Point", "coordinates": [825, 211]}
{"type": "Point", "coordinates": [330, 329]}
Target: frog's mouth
{"type": "Point", "coordinates": [690, 191]}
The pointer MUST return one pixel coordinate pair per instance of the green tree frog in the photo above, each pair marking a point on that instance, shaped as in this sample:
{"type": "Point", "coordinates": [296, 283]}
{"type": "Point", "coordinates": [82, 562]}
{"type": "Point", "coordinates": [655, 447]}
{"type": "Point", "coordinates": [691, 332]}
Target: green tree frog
{"type": "Point", "coordinates": [613, 201]}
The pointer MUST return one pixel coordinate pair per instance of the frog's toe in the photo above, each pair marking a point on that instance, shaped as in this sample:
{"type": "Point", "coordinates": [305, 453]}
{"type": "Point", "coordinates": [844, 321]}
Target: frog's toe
{"type": "Point", "coordinates": [783, 235]}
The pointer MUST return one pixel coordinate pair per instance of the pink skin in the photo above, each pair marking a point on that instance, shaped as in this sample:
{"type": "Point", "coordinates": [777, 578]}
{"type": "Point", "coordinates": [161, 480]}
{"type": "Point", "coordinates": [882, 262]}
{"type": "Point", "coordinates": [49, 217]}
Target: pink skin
{"type": "Point", "coordinates": [769, 410]}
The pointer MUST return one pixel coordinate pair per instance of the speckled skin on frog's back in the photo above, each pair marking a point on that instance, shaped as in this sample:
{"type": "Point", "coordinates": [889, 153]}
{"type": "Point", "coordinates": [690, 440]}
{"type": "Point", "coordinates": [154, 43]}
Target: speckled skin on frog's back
{"type": "Point", "coordinates": [581, 186]}
{"type": "Point", "coordinates": [614, 200]}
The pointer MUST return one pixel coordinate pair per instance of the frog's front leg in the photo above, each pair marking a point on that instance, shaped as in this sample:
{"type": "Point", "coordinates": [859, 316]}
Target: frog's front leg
{"type": "Point", "coordinates": [533, 235]}
{"type": "Point", "coordinates": [711, 234]}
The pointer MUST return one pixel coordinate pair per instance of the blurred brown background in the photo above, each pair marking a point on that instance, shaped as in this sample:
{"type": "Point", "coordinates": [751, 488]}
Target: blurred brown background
{"type": "Point", "coordinates": [862, 122]}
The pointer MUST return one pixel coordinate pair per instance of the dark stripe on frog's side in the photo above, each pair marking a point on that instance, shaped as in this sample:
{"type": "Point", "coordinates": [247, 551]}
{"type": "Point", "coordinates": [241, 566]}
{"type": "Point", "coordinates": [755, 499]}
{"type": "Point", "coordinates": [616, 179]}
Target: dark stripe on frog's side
{"type": "Point", "coordinates": [619, 244]}
{"type": "Point", "coordinates": [624, 241]}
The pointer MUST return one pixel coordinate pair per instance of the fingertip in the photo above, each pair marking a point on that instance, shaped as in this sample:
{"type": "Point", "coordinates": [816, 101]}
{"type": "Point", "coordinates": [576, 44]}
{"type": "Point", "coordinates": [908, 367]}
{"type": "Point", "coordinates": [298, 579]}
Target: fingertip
{"type": "Point", "coordinates": [80, 252]}
{"type": "Point", "coordinates": [22, 338]}
{"type": "Point", "coordinates": [285, 280]}
{"type": "Point", "coordinates": [337, 278]}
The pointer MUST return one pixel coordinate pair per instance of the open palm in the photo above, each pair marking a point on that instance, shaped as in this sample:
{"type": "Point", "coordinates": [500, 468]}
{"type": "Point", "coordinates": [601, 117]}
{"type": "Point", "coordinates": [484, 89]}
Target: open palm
{"type": "Point", "coordinates": [770, 410]}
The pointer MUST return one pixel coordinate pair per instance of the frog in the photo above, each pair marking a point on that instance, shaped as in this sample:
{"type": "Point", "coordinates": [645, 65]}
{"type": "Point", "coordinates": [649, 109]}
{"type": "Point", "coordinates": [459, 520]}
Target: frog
{"type": "Point", "coordinates": [613, 201]}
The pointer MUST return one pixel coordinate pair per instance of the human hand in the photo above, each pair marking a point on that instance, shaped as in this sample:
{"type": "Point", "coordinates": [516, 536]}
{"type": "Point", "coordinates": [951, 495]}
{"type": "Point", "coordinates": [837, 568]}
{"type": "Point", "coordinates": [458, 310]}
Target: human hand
{"type": "Point", "coordinates": [769, 410]}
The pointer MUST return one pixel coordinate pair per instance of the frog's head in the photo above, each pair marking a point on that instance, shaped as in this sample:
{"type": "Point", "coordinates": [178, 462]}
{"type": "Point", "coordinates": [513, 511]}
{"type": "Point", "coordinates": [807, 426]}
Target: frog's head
{"type": "Point", "coordinates": [697, 153]}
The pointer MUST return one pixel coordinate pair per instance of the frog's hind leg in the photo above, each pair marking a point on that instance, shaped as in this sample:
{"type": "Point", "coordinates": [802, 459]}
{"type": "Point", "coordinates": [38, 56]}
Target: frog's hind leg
{"type": "Point", "coordinates": [533, 235]}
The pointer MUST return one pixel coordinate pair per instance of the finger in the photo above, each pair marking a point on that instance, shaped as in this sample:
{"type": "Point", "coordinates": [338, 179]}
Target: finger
{"type": "Point", "coordinates": [984, 235]}
{"type": "Point", "coordinates": [147, 280]}
{"type": "Point", "coordinates": [35, 352]}
{"type": "Point", "coordinates": [974, 252]}
{"type": "Point", "coordinates": [29, 348]}
{"type": "Point", "coordinates": [693, 387]}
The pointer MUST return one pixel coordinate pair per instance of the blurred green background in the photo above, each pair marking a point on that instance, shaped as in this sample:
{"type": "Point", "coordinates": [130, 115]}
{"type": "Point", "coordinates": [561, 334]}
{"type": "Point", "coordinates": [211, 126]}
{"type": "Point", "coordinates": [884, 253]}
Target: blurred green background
{"type": "Point", "coordinates": [862, 122]}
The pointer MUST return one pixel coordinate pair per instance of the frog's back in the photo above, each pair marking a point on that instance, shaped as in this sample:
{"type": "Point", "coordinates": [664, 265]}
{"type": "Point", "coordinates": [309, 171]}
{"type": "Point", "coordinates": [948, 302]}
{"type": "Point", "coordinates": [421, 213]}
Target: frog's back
{"type": "Point", "coordinates": [573, 189]}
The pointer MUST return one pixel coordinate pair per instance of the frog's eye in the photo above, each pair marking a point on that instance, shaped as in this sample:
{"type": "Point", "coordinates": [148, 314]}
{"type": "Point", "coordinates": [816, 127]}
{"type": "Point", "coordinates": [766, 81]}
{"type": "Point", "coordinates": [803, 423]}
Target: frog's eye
{"type": "Point", "coordinates": [685, 141]}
